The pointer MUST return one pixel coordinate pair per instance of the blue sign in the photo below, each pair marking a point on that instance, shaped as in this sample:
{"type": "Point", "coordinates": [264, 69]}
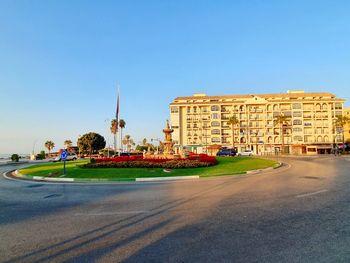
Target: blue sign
{"type": "Point", "coordinates": [64, 155]}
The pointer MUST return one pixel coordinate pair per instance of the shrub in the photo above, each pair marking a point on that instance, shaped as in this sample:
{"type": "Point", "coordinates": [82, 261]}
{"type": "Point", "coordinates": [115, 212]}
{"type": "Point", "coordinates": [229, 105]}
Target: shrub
{"type": "Point", "coordinates": [15, 157]}
{"type": "Point", "coordinates": [40, 156]}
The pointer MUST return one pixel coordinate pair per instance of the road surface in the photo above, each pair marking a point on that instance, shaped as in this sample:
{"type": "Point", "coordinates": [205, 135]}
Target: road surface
{"type": "Point", "coordinates": [298, 213]}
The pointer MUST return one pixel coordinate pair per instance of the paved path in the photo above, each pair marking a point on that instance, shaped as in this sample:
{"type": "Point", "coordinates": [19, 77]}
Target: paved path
{"type": "Point", "coordinates": [294, 214]}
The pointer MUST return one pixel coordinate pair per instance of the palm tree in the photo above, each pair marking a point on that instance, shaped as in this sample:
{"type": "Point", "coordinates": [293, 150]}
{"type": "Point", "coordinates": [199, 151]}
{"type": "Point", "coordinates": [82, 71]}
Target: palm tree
{"type": "Point", "coordinates": [67, 143]}
{"type": "Point", "coordinates": [122, 124]}
{"type": "Point", "coordinates": [281, 120]}
{"type": "Point", "coordinates": [340, 122]}
{"type": "Point", "coordinates": [114, 130]}
{"type": "Point", "coordinates": [233, 121]}
{"type": "Point", "coordinates": [49, 145]}
{"type": "Point", "coordinates": [128, 142]}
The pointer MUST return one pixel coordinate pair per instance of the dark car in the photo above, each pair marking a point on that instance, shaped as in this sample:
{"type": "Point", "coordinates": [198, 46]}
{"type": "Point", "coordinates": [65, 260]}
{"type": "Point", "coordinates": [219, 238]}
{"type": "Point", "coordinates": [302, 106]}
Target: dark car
{"type": "Point", "coordinates": [226, 152]}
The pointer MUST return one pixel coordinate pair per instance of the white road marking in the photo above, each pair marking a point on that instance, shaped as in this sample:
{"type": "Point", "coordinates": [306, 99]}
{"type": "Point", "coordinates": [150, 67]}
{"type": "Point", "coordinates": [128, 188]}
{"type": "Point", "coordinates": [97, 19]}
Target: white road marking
{"type": "Point", "coordinates": [112, 213]}
{"type": "Point", "coordinates": [313, 193]}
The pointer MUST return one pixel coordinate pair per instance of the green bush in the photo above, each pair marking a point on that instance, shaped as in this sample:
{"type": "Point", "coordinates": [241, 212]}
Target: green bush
{"type": "Point", "coordinates": [15, 157]}
{"type": "Point", "coordinates": [40, 156]}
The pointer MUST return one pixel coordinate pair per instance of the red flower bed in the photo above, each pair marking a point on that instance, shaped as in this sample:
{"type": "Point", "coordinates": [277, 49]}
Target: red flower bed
{"type": "Point", "coordinates": [193, 157]}
{"type": "Point", "coordinates": [194, 160]}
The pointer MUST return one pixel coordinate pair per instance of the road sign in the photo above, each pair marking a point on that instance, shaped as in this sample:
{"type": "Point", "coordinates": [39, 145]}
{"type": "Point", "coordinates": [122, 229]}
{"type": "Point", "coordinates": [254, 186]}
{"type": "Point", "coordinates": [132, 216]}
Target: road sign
{"type": "Point", "coordinates": [64, 155]}
{"type": "Point", "coordinates": [63, 158]}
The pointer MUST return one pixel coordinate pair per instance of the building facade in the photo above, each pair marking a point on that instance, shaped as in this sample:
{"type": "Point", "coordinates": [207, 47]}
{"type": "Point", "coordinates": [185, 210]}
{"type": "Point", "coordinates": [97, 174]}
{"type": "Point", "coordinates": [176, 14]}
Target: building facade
{"type": "Point", "coordinates": [200, 122]}
{"type": "Point", "coordinates": [347, 126]}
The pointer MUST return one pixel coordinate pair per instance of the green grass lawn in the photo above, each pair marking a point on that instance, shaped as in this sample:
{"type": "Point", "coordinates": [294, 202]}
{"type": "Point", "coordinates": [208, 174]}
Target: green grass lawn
{"type": "Point", "coordinates": [226, 166]}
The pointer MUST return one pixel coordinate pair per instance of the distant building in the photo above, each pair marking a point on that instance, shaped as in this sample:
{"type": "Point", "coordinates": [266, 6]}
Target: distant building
{"type": "Point", "coordinates": [200, 121]}
{"type": "Point", "coordinates": [347, 126]}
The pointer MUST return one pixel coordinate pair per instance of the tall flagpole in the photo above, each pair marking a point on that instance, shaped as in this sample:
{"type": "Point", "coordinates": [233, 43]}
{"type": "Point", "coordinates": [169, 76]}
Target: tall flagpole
{"type": "Point", "coordinates": [117, 124]}
{"type": "Point", "coordinates": [120, 142]}
{"type": "Point", "coordinates": [117, 121]}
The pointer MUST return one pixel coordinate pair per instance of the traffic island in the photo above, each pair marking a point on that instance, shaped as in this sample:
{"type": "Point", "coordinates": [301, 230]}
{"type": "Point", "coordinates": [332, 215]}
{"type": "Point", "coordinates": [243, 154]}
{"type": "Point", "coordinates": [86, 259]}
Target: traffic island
{"type": "Point", "coordinates": [75, 173]}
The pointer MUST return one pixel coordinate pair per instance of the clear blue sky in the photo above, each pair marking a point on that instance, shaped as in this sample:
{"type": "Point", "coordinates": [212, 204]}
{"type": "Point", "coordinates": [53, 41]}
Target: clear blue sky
{"type": "Point", "coordinates": [59, 60]}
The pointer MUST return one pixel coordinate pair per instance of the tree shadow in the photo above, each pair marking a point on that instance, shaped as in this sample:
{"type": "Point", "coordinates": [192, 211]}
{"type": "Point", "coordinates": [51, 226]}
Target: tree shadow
{"type": "Point", "coordinates": [92, 237]}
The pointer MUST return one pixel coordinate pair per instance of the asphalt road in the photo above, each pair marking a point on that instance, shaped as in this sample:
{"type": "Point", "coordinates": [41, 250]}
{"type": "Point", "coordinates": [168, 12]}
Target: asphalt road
{"type": "Point", "coordinates": [298, 213]}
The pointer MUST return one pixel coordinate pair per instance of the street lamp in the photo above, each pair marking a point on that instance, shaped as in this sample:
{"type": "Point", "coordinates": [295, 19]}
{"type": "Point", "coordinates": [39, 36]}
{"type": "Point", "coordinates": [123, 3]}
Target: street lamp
{"type": "Point", "coordinates": [108, 138]}
{"type": "Point", "coordinates": [158, 140]}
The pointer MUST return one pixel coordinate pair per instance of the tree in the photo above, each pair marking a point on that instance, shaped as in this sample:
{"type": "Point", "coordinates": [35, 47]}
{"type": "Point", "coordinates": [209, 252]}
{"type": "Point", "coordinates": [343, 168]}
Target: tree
{"type": "Point", "coordinates": [340, 122]}
{"type": "Point", "coordinates": [15, 157]}
{"type": "Point", "coordinates": [91, 143]}
{"type": "Point", "coordinates": [128, 142]}
{"type": "Point", "coordinates": [40, 156]}
{"type": "Point", "coordinates": [122, 124]}
{"type": "Point", "coordinates": [282, 121]}
{"type": "Point", "coordinates": [49, 145]}
{"type": "Point", "coordinates": [233, 121]}
{"type": "Point", "coordinates": [67, 143]}
{"type": "Point", "coordinates": [114, 130]}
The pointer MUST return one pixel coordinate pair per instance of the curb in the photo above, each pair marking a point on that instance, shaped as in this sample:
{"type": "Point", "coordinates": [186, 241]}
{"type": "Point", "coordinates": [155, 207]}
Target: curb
{"type": "Point", "coordinates": [169, 178]}
{"type": "Point", "coordinates": [265, 169]}
{"type": "Point", "coordinates": [79, 180]}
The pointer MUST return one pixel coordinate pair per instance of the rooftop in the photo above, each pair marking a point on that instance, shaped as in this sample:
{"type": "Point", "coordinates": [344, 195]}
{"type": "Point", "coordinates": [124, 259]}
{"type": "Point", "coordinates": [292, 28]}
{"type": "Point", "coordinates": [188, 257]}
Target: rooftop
{"type": "Point", "coordinates": [290, 93]}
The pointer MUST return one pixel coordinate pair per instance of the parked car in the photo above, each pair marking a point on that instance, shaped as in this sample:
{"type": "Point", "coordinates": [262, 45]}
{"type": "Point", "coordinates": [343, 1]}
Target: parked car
{"type": "Point", "coordinates": [70, 157]}
{"type": "Point", "coordinates": [226, 152]}
{"type": "Point", "coordinates": [246, 153]}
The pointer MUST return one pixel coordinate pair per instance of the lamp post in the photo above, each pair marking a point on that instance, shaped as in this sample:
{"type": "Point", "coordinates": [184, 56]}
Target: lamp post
{"type": "Point", "coordinates": [33, 153]}
{"type": "Point", "coordinates": [108, 138]}
{"type": "Point", "coordinates": [158, 140]}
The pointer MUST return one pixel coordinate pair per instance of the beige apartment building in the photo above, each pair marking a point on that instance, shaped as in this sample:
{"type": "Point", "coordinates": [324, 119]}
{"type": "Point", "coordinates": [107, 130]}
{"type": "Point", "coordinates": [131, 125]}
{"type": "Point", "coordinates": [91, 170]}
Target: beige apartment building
{"type": "Point", "coordinates": [200, 122]}
{"type": "Point", "coordinates": [347, 126]}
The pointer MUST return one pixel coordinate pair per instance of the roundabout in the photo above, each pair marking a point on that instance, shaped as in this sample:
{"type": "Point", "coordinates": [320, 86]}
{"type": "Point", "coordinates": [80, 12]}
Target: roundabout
{"type": "Point", "coordinates": [76, 171]}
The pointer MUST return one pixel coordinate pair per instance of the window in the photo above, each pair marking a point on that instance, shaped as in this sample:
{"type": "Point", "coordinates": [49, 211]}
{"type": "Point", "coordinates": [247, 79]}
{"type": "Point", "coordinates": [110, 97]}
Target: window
{"type": "Point", "coordinates": [215, 123]}
{"type": "Point", "coordinates": [296, 106]}
{"type": "Point", "coordinates": [215, 108]}
{"type": "Point", "coordinates": [297, 114]}
{"type": "Point", "coordinates": [338, 106]}
{"type": "Point", "coordinates": [338, 113]}
{"type": "Point", "coordinates": [297, 129]}
{"type": "Point", "coordinates": [287, 114]}
{"type": "Point", "coordinates": [215, 139]}
{"type": "Point", "coordinates": [215, 116]}
{"type": "Point", "coordinates": [298, 138]}
{"type": "Point", "coordinates": [174, 109]}
{"type": "Point", "coordinates": [215, 131]}
{"type": "Point", "coordinates": [297, 122]}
